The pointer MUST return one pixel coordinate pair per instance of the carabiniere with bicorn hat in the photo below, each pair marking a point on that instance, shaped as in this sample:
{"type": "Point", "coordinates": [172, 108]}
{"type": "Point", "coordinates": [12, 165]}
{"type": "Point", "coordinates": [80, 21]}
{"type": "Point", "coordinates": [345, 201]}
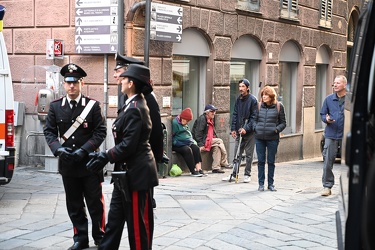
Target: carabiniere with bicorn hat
{"type": "Point", "coordinates": [72, 72]}
{"type": "Point", "coordinates": [139, 72]}
{"type": "Point", "coordinates": [124, 61]}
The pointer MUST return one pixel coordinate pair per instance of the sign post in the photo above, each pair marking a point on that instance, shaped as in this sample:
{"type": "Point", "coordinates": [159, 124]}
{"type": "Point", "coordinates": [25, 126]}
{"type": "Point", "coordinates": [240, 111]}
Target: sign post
{"type": "Point", "coordinates": [166, 22]}
{"type": "Point", "coordinates": [96, 26]}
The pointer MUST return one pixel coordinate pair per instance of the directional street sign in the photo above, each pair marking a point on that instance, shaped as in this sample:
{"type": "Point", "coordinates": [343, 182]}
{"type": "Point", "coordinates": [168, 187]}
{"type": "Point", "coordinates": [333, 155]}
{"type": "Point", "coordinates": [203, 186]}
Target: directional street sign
{"type": "Point", "coordinates": [166, 22]}
{"type": "Point", "coordinates": [96, 26]}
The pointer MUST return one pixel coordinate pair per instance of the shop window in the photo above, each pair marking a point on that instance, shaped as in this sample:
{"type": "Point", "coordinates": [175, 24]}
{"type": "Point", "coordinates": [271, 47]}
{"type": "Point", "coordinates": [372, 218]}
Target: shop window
{"type": "Point", "coordinates": [322, 83]}
{"type": "Point", "coordinates": [187, 90]}
{"type": "Point", "coordinates": [325, 13]}
{"type": "Point", "coordinates": [287, 93]}
{"type": "Point", "coordinates": [248, 5]}
{"type": "Point", "coordinates": [289, 9]}
{"type": "Point", "coordinates": [189, 72]}
{"type": "Point", "coordinates": [320, 92]}
{"type": "Point", "coordinates": [240, 69]}
{"type": "Point", "coordinates": [288, 78]}
{"type": "Point", "coordinates": [246, 57]}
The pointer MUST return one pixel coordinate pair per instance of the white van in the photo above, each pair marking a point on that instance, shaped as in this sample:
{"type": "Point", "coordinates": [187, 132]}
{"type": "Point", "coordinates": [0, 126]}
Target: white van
{"type": "Point", "coordinates": [7, 148]}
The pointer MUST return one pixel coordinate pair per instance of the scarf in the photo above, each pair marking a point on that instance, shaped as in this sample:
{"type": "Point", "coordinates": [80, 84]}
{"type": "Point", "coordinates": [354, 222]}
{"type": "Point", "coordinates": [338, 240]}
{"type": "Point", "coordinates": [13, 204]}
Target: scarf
{"type": "Point", "coordinates": [210, 134]}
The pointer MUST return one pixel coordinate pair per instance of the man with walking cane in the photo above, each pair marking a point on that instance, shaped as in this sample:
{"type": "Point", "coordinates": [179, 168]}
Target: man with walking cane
{"type": "Point", "coordinates": [245, 108]}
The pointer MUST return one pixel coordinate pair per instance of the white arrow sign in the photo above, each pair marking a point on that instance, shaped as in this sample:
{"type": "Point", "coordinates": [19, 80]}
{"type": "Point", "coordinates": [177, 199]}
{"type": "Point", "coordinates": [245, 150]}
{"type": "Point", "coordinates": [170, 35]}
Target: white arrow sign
{"type": "Point", "coordinates": [96, 20]}
{"type": "Point", "coordinates": [93, 3]}
{"type": "Point", "coordinates": [167, 9]}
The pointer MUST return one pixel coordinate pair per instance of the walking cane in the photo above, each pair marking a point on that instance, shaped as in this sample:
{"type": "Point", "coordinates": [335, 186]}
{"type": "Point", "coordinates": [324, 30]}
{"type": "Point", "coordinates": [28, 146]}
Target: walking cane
{"type": "Point", "coordinates": [237, 159]}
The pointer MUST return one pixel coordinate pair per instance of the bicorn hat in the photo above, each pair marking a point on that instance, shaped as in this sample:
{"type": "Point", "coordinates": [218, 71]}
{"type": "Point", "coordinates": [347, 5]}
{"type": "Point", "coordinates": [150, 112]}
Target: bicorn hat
{"type": "Point", "coordinates": [122, 61]}
{"type": "Point", "coordinates": [139, 72]}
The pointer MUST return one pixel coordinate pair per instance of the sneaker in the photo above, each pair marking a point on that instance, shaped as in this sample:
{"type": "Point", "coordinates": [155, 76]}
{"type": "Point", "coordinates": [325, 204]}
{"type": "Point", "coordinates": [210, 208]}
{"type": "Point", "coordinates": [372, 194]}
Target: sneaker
{"type": "Point", "coordinates": [272, 188]}
{"type": "Point", "coordinates": [227, 178]}
{"type": "Point", "coordinates": [326, 192]}
{"type": "Point", "coordinates": [196, 174]}
{"type": "Point", "coordinates": [201, 172]}
{"type": "Point", "coordinates": [246, 179]}
{"type": "Point", "coordinates": [218, 171]}
{"type": "Point", "coordinates": [261, 188]}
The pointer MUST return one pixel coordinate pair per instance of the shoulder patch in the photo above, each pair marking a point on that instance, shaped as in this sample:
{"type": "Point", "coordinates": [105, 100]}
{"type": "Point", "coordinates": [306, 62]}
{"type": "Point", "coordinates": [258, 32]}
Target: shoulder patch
{"type": "Point", "coordinates": [90, 98]}
{"type": "Point", "coordinates": [56, 100]}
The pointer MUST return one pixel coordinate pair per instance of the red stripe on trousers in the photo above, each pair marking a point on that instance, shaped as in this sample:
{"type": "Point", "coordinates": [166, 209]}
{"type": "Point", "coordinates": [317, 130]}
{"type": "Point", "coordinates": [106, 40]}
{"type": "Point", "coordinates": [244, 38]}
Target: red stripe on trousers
{"type": "Point", "coordinates": [137, 233]}
{"type": "Point", "coordinates": [147, 219]}
{"type": "Point", "coordinates": [104, 212]}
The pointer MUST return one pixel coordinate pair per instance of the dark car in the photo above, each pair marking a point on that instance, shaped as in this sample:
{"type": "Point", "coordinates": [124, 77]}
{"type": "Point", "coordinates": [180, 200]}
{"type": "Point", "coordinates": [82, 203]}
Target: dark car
{"type": "Point", "coordinates": [356, 218]}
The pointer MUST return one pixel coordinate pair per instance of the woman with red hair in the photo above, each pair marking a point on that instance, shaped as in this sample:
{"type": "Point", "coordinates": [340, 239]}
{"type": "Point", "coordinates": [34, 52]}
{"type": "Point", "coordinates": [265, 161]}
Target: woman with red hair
{"type": "Point", "coordinates": [269, 122]}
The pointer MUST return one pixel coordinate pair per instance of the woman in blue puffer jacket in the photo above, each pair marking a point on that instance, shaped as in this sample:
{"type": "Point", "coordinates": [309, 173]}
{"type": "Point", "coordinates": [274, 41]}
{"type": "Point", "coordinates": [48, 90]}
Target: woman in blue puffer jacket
{"type": "Point", "coordinates": [269, 122]}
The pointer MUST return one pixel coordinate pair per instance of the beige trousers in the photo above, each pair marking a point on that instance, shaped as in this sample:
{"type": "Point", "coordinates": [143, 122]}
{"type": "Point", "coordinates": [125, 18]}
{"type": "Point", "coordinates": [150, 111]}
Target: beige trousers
{"type": "Point", "coordinates": [219, 154]}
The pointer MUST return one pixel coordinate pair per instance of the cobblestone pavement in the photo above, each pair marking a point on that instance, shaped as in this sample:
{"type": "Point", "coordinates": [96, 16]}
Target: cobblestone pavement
{"type": "Point", "coordinates": [192, 213]}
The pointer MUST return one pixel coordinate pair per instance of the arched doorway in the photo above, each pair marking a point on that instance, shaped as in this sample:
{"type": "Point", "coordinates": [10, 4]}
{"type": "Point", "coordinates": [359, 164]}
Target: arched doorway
{"type": "Point", "coordinates": [246, 56]}
{"type": "Point", "coordinates": [288, 74]}
{"type": "Point", "coordinates": [322, 82]}
{"type": "Point", "coordinates": [189, 72]}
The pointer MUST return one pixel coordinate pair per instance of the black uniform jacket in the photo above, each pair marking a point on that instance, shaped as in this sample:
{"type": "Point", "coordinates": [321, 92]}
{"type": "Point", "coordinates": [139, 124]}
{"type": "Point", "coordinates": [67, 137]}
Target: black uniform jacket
{"type": "Point", "coordinates": [88, 136]}
{"type": "Point", "coordinates": [131, 131]}
{"type": "Point", "coordinates": [156, 136]}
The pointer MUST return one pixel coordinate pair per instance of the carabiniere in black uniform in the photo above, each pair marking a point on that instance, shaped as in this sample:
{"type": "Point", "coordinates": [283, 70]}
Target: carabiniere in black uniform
{"type": "Point", "coordinates": [79, 183]}
{"type": "Point", "coordinates": [131, 200]}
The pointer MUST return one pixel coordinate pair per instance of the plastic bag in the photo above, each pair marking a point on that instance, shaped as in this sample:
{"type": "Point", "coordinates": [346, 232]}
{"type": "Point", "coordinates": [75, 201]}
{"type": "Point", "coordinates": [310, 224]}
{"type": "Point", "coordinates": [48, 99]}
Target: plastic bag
{"type": "Point", "coordinates": [175, 170]}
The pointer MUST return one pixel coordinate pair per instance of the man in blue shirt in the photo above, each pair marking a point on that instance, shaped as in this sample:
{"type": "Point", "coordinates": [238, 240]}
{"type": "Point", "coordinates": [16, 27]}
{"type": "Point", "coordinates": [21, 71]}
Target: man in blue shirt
{"type": "Point", "coordinates": [332, 114]}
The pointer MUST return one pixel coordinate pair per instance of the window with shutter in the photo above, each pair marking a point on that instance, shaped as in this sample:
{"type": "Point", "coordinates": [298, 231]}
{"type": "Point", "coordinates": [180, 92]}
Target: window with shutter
{"type": "Point", "coordinates": [325, 13]}
{"type": "Point", "coordinates": [289, 9]}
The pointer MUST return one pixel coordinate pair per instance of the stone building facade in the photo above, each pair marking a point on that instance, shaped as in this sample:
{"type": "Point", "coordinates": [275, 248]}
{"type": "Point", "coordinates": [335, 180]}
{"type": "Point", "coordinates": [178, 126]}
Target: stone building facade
{"type": "Point", "coordinates": [296, 46]}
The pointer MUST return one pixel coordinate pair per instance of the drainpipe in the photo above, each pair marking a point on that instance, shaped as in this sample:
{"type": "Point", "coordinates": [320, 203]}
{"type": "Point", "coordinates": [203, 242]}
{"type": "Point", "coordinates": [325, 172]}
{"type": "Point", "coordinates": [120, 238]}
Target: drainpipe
{"type": "Point", "coordinates": [133, 9]}
{"type": "Point", "coordinates": [120, 47]}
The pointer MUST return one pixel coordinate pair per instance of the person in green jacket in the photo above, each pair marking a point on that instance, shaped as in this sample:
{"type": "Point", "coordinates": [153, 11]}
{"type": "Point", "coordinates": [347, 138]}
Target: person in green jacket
{"type": "Point", "coordinates": [184, 144]}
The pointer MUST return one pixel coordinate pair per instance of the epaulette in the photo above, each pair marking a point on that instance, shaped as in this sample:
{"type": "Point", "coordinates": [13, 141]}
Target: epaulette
{"type": "Point", "coordinates": [58, 99]}
{"type": "Point", "coordinates": [90, 98]}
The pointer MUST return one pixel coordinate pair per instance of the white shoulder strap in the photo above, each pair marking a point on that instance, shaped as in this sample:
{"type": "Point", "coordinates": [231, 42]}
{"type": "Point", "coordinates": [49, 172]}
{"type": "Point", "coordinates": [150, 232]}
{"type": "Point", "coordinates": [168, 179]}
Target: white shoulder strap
{"type": "Point", "coordinates": [79, 120]}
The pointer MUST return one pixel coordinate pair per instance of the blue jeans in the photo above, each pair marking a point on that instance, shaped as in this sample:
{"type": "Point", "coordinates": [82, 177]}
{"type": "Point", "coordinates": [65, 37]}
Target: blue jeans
{"type": "Point", "coordinates": [271, 147]}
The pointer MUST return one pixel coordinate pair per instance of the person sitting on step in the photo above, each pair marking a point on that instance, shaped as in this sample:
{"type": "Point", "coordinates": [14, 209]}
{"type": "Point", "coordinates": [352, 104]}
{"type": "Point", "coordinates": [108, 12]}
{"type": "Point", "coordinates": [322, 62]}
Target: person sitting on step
{"type": "Point", "coordinates": [184, 144]}
{"type": "Point", "coordinates": [205, 135]}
